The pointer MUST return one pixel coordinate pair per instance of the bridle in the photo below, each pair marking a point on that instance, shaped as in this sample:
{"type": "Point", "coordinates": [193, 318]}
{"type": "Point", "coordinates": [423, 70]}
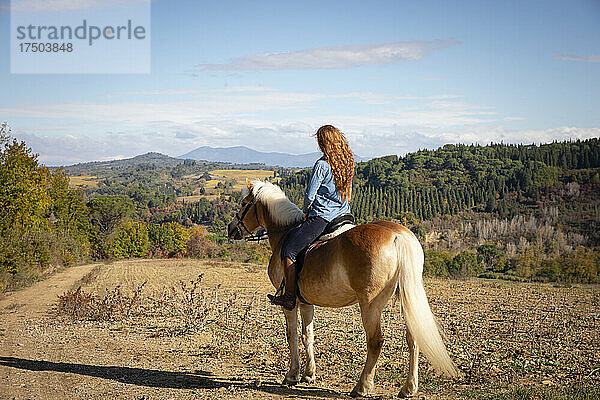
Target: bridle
{"type": "Point", "coordinates": [260, 234]}
{"type": "Point", "coordinates": [240, 220]}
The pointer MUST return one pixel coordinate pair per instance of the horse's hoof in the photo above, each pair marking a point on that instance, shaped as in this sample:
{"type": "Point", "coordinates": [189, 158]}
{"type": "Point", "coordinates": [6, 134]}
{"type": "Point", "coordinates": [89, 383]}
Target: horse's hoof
{"type": "Point", "coordinates": [308, 379]}
{"type": "Point", "coordinates": [406, 393]}
{"type": "Point", "coordinates": [290, 382]}
{"type": "Point", "coordinates": [358, 393]}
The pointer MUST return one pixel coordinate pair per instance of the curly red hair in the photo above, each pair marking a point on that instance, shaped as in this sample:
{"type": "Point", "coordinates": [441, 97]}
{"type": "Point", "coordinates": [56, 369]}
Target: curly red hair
{"type": "Point", "coordinates": [338, 155]}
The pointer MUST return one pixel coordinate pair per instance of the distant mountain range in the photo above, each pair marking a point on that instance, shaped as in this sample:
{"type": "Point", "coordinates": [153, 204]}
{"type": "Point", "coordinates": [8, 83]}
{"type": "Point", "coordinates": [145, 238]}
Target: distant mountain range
{"type": "Point", "coordinates": [244, 155]}
{"type": "Point", "coordinates": [225, 155]}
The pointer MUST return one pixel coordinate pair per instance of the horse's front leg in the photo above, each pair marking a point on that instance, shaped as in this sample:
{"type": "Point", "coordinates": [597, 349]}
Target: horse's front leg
{"type": "Point", "coordinates": [291, 324]}
{"type": "Point", "coordinates": [307, 313]}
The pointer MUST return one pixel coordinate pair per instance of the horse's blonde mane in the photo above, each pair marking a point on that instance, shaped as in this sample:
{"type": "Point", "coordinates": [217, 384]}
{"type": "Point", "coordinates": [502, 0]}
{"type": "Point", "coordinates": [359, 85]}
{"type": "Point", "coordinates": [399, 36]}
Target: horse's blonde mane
{"type": "Point", "coordinates": [282, 210]}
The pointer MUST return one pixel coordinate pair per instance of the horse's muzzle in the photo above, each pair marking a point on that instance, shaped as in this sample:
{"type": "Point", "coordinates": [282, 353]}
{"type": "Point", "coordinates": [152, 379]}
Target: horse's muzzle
{"type": "Point", "coordinates": [234, 232]}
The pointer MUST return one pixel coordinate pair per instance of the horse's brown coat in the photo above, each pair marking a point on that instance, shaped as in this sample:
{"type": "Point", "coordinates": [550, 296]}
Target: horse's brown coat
{"type": "Point", "coordinates": [365, 264]}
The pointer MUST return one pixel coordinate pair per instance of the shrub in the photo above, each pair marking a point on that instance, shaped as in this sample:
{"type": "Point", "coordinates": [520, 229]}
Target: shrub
{"type": "Point", "coordinates": [199, 246]}
{"type": "Point", "coordinates": [129, 240]}
{"type": "Point", "coordinates": [169, 239]}
{"type": "Point", "coordinates": [78, 304]}
{"type": "Point", "coordinates": [464, 265]}
{"type": "Point", "coordinates": [436, 263]}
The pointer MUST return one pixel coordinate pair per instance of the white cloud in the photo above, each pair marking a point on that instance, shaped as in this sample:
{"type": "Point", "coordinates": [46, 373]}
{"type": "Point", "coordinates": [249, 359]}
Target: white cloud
{"type": "Point", "coordinates": [487, 134]}
{"type": "Point", "coordinates": [334, 57]}
{"type": "Point", "coordinates": [590, 58]}
{"type": "Point", "coordinates": [66, 5]}
{"type": "Point", "coordinates": [264, 119]}
{"type": "Point", "coordinates": [244, 103]}
{"type": "Point", "coordinates": [64, 149]}
{"type": "Point", "coordinates": [368, 140]}
{"type": "Point", "coordinates": [140, 113]}
{"type": "Point", "coordinates": [193, 91]}
{"type": "Point", "coordinates": [378, 140]}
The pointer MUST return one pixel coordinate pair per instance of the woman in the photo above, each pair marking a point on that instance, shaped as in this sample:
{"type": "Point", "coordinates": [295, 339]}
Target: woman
{"type": "Point", "coordinates": [327, 195]}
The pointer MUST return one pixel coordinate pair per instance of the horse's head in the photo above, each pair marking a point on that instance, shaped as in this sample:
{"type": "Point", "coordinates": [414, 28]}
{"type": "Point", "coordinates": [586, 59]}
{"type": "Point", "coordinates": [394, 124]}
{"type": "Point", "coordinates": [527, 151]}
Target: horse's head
{"type": "Point", "coordinates": [265, 206]}
{"type": "Point", "coordinates": [246, 220]}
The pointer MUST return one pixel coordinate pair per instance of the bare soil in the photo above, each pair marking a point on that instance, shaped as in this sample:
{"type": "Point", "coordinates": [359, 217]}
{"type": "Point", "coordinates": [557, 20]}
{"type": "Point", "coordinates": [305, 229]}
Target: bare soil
{"type": "Point", "coordinates": [228, 342]}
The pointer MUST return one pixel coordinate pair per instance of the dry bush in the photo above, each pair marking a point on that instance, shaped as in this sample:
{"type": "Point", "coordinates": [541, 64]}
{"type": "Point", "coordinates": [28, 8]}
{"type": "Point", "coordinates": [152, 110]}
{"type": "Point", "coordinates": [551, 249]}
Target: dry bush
{"type": "Point", "coordinates": [78, 304]}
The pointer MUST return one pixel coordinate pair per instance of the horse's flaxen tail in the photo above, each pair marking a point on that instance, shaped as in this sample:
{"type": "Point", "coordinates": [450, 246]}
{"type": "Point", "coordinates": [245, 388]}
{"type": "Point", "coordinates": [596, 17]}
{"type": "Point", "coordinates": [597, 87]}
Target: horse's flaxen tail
{"type": "Point", "coordinates": [415, 307]}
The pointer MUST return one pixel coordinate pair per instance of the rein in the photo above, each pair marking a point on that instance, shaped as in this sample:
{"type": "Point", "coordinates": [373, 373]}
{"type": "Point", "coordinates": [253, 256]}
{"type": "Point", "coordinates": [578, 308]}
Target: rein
{"type": "Point", "coordinates": [261, 234]}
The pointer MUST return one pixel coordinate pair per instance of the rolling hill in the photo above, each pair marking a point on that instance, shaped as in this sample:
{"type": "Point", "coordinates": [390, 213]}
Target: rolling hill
{"type": "Point", "coordinates": [158, 159]}
{"type": "Point", "coordinates": [245, 155]}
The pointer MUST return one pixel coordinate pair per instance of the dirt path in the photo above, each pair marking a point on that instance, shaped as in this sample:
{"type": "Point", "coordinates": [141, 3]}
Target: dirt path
{"type": "Point", "coordinates": [40, 297]}
{"type": "Point", "coordinates": [43, 356]}
{"type": "Point", "coordinates": [22, 315]}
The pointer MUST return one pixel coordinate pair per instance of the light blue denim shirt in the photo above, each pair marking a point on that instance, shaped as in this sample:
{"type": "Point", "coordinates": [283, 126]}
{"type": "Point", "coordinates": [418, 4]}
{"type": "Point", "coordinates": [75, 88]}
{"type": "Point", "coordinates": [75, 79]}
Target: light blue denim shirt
{"type": "Point", "coordinates": [321, 197]}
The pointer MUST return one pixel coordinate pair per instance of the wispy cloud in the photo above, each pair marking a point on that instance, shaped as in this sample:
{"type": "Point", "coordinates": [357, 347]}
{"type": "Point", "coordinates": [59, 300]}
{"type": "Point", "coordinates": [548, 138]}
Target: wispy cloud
{"type": "Point", "coordinates": [262, 118]}
{"type": "Point", "coordinates": [66, 5]}
{"type": "Point", "coordinates": [590, 58]}
{"type": "Point", "coordinates": [197, 104]}
{"type": "Point", "coordinates": [193, 91]}
{"type": "Point", "coordinates": [333, 57]}
{"type": "Point", "coordinates": [372, 138]}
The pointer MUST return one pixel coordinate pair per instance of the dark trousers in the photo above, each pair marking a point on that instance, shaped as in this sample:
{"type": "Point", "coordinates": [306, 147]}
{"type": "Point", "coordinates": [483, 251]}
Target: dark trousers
{"type": "Point", "coordinates": [301, 236]}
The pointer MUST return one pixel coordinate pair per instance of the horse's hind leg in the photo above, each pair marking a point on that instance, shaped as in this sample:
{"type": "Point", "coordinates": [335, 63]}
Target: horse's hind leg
{"type": "Point", "coordinates": [291, 324]}
{"type": "Point", "coordinates": [308, 339]}
{"type": "Point", "coordinates": [371, 318]}
{"type": "Point", "coordinates": [412, 380]}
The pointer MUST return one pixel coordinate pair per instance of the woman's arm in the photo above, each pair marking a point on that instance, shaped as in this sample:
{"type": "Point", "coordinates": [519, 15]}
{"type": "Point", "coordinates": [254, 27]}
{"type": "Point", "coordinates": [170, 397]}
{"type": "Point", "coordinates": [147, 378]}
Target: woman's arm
{"type": "Point", "coordinates": [316, 178]}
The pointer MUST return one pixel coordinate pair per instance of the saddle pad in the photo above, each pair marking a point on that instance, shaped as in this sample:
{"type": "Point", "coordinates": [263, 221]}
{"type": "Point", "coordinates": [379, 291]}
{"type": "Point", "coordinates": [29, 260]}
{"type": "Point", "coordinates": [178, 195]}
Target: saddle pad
{"type": "Point", "coordinates": [338, 231]}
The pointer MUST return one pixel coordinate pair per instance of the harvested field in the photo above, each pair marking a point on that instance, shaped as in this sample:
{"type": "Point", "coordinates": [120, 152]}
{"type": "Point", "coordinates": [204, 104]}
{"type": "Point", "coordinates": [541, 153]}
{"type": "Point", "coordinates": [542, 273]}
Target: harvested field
{"type": "Point", "coordinates": [84, 181]}
{"type": "Point", "coordinates": [219, 338]}
{"type": "Point", "coordinates": [223, 176]}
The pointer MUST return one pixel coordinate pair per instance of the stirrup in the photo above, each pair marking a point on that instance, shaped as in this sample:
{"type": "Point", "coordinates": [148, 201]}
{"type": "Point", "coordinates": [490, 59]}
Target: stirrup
{"type": "Point", "coordinates": [287, 301]}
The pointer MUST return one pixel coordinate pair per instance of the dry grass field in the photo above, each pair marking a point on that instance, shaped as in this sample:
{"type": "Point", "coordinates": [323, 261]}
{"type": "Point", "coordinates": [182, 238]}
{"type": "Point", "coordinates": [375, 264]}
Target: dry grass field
{"type": "Point", "coordinates": [165, 334]}
{"type": "Point", "coordinates": [240, 175]}
{"type": "Point", "coordinates": [222, 176]}
{"type": "Point", "coordinates": [83, 181]}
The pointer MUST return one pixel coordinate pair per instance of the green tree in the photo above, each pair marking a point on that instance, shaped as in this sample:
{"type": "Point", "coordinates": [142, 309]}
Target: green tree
{"type": "Point", "coordinates": [106, 213]}
{"type": "Point", "coordinates": [168, 239]}
{"type": "Point", "coordinates": [23, 195]}
{"type": "Point", "coordinates": [129, 240]}
{"type": "Point", "coordinates": [23, 199]}
{"type": "Point", "coordinates": [436, 263]}
{"type": "Point", "coordinates": [464, 265]}
{"type": "Point", "coordinates": [488, 255]}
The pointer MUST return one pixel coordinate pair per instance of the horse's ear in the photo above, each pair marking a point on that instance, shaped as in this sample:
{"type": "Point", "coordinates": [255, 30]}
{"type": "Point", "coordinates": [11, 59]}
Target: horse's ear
{"type": "Point", "coordinates": [249, 185]}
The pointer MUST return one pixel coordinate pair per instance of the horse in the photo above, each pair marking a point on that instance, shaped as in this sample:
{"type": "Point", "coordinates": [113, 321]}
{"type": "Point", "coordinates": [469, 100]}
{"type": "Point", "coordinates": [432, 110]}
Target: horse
{"type": "Point", "coordinates": [366, 265]}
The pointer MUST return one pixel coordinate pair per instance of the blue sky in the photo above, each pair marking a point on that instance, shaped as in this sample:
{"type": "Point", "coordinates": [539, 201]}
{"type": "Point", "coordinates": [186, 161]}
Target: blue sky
{"type": "Point", "coordinates": [394, 76]}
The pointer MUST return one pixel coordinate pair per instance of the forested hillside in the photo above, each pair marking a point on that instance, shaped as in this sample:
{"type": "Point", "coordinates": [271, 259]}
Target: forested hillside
{"type": "Point", "coordinates": [533, 206]}
{"type": "Point", "coordinates": [497, 178]}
